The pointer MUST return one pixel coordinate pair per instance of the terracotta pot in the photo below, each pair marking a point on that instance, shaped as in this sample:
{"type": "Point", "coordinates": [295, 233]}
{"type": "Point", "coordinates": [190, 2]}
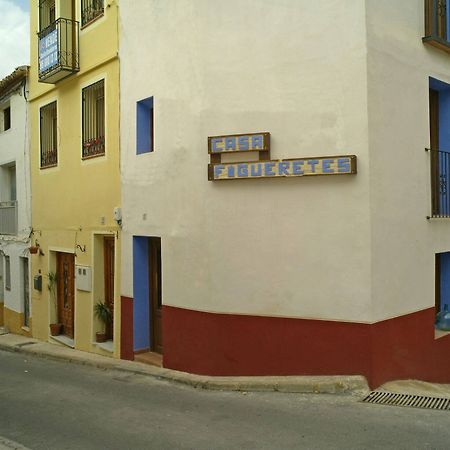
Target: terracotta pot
{"type": "Point", "coordinates": [100, 337]}
{"type": "Point", "coordinates": [33, 250]}
{"type": "Point", "coordinates": [55, 329]}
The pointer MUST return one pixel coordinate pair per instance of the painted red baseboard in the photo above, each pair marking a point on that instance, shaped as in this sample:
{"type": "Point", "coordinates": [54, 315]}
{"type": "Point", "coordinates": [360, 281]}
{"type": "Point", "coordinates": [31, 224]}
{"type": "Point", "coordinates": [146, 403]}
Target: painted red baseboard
{"type": "Point", "coordinates": [229, 344]}
{"type": "Point", "coordinates": [126, 328]}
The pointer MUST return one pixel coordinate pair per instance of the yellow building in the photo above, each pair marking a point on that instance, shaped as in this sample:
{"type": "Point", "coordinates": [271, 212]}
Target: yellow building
{"type": "Point", "coordinates": [74, 109]}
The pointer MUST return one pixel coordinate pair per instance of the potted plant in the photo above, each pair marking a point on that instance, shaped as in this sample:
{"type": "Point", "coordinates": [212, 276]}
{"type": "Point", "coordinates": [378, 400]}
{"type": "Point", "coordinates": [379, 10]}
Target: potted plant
{"type": "Point", "coordinates": [33, 249]}
{"type": "Point", "coordinates": [55, 328]}
{"type": "Point", "coordinates": [103, 313]}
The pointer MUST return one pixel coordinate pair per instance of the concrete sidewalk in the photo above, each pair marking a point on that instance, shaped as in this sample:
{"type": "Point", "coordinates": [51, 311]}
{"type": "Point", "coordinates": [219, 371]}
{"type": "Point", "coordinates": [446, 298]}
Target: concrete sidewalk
{"type": "Point", "coordinates": [6, 444]}
{"type": "Point", "coordinates": [356, 385]}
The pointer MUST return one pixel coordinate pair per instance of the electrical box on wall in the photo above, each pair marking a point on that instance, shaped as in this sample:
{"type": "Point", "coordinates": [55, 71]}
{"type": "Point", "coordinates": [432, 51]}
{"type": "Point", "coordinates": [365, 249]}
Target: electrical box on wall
{"type": "Point", "coordinates": [83, 278]}
{"type": "Point", "coordinates": [37, 282]}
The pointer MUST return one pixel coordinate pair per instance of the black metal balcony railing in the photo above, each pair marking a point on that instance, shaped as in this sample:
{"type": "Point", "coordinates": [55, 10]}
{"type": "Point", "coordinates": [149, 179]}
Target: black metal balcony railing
{"type": "Point", "coordinates": [440, 183]}
{"type": "Point", "coordinates": [436, 24]}
{"type": "Point", "coordinates": [8, 217]}
{"type": "Point", "coordinates": [58, 50]}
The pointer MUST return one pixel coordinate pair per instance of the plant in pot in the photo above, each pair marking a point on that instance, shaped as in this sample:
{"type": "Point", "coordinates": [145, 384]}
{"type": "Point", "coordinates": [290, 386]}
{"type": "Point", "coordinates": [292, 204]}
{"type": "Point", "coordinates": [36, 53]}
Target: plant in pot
{"type": "Point", "coordinates": [55, 328]}
{"type": "Point", "coordinates": [103, 313]}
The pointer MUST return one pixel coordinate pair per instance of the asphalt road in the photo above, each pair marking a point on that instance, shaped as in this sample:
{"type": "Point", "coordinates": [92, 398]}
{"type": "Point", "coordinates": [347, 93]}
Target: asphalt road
{"type": "Point", "coordinates": [47, 404]}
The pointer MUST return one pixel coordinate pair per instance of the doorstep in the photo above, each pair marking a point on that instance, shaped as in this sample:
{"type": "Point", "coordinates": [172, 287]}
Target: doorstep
{"type": "Point", "coordinates": [64, 340]}
{"type": "Point", "coordinates": [108, 346]}
{"type": "Point", "coordinates": [151, 358]}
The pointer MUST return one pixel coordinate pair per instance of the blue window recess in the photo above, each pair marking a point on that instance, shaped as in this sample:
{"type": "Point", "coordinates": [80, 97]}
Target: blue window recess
{"type": "Point", "coordinates": [144, 126]}
{"type": "Point", "coordinates": [440, 147]}
{"type": "Point", "coordinates": [443, 281]}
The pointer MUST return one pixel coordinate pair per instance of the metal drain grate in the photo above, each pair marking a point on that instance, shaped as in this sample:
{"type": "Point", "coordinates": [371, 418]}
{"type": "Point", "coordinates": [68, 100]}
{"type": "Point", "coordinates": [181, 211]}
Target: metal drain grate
{"type": "Point", "coordinates": [413, 401]}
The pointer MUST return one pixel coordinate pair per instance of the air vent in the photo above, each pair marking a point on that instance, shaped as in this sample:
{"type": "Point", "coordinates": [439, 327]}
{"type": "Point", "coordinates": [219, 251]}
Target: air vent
{"type": "Point", "coordinates": [413, 401]}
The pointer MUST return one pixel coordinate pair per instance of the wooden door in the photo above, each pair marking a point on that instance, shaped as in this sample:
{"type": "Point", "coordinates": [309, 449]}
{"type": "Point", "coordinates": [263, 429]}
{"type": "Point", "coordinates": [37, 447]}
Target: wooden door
{"type": "Point", "coordinates": [108, 251]}
{"type": "Point", "coordinates": [434, 145]}
{"type": "Point", "coordinates": [155, 278]}
{"type": "Point", "coordinates": [65, 291]}
{"type": "Point", "coordinates": [25, 292]}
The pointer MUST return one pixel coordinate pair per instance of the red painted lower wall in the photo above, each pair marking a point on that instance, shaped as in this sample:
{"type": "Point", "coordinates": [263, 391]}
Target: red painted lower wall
{"type": "Point", "coordinates": [228, 344]}
{"type": "Point", "coordinates": [126, 328]}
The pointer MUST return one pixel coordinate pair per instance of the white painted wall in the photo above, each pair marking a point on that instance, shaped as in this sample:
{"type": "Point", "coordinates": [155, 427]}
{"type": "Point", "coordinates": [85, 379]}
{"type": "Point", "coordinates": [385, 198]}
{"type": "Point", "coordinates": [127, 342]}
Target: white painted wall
{"type": "Point", "coordinates": [14, 147]}
{"type": "Point", "coordinates": [295, 68]}
{"type": "Point", "coordinates": [404, 242]}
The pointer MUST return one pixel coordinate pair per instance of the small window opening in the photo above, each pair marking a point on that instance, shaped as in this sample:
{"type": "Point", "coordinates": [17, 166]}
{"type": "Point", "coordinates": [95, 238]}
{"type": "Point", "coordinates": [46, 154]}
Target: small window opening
{"type": "Point", "coordinates": [144, 126]}
{"type": "Point", "coordinates": [7, 273]}
{"type": "Point", "coordinates": [7, 118]}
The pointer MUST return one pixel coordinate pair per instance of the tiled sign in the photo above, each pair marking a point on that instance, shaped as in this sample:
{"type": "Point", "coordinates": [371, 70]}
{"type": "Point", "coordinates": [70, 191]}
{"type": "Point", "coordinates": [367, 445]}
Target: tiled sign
{"type": "Point", "coordinates": [265, 167]}
{"type": "Point", "coordinates": [333, 165]}
{"type": "Point", "coordinates": [239, 143]}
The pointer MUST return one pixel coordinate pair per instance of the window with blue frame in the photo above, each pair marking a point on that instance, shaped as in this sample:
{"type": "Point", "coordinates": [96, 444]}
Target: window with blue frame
{"type": "Point", "coordinates": [442, 278]}
{"type": "Point", "coordinates": [144, 126]}
{"type": "Point", "coordinates": [439, 109]}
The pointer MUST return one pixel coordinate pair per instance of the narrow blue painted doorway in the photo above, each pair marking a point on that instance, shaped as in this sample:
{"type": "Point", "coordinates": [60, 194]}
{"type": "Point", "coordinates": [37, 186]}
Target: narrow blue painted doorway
{"type": "Point", "coordinates": [147, 288]}
{"type": "Point", "coordinates": [141, 294]}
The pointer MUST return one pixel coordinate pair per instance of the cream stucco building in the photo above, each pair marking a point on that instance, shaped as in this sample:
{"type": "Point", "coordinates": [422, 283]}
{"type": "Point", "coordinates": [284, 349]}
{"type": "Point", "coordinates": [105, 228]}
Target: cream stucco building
{"type": "Point", "coordinates": [15, 198]}
{"type": "Point", "coordinates": [271, 271]}
{"type": "Point", "coordinates": [74, 111]}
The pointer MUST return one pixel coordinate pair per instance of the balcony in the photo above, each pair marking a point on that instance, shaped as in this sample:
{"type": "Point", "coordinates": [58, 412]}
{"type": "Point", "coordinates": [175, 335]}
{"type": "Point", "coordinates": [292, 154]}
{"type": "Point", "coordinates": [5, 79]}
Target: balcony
{"type": "Point", "coordinates": [440, 183]}
{"type": "Point", "coordinates": [437, 24]}
{"type": "Point", "coordinates": [58, 51]}
{"type": "Point", "coordinates": [8, 217]}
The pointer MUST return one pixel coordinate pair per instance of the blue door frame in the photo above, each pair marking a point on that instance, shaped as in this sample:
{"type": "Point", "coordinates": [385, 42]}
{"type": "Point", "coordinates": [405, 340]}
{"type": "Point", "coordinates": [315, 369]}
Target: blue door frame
{"type": "Point", "coordinates": [141, 292]}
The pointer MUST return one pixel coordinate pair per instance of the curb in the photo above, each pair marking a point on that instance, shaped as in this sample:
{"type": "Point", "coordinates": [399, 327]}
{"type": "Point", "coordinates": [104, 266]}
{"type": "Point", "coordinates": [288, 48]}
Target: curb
{"type": "Point", "coordinates": [352, 384]}
{"type": "Point", "coordinates": [6, 444]}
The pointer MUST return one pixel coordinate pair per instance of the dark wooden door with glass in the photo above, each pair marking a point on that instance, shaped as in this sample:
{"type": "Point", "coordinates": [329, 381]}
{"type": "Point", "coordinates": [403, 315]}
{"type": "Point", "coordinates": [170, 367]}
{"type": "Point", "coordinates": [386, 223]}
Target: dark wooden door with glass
{"type": "Point", "coordinates": [65, 269]}
{"type": "Point", "coordinates": [154, 254]}
{"type": "Point", "coordinates": [108, 251]}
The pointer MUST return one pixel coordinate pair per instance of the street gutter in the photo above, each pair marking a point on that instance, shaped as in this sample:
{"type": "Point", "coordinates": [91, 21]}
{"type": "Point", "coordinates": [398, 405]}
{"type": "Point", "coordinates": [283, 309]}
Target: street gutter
{"type": "Point", "coordinates": [351, 384]}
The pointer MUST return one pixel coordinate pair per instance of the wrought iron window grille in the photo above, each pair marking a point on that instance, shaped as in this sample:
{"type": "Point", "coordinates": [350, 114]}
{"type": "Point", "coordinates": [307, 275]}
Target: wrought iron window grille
{"type": "Point", "coordinates": [49, 145]}
{"type": "Point", "coordinates": [440, 183]}
{"type": "Point", "coordinates": [90, 10]}
{"type": "Point", "coordinates": [93, 121]}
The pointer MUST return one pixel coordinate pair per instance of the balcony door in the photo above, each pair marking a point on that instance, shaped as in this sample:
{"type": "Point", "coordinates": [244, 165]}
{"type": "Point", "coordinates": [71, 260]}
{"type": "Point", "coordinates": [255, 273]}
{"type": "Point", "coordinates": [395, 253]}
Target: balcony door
{"type": "Point", "coordinates": [437, 188]}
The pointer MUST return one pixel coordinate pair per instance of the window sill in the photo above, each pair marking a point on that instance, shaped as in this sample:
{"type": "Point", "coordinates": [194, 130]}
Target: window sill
{"type": "Point", "coordinates": [85, 158]}
{"type": "Point", "coordinates": [49, 166]}
{"type": "Point", "coordinates": [440, 333]}
{"type": "Point", "coordinates": [92, 20]}
{"type": "Point", "coordinates": [437, 42]}
{"type": "Point", "coordinates": [438, 217]}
